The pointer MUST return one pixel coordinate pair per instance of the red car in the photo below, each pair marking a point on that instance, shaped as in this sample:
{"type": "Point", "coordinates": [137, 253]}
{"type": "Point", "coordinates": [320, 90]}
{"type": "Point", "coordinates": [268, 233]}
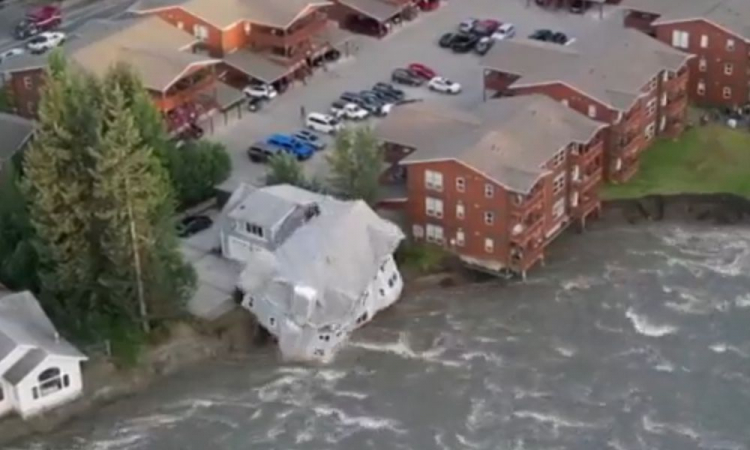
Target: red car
{"type": "Point", "coordinates": [422, 71]}
{"type": "Point", "coordinates": [486, 27]}
{"type": "Point", "coordinates": [428, 5]}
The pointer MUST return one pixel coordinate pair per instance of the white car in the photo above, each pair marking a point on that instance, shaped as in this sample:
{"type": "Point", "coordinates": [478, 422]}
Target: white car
{"type": "Point", "coordinates": [444, 85]}
{"type": "Point", "coordinates": [467, 25]}
{"type": "Point", "coordinates": [11, 53]}
{"type": "Point", "coordinates": [505, 31]}
{"type": "Point", "coordinates": [261, 91]}
{"type": "Point", "coordinates": [45, 41]}
{"type": "Point", "coordinates": [322, 123]}
{"type": "Point", "coordinates": [354, 112]}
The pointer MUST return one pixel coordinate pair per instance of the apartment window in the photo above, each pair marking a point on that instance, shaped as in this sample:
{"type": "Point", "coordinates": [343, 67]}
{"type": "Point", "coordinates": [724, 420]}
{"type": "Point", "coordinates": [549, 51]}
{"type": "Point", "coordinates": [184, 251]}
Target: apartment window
{"type": "Point", "coordinates": [650, 130]}
{"type": "Point", "coordinates": [663, 123]}
{"type": "Point", "coordinates": [558, 159]}
{"type": "Point", "coordinates": [434, 207]}
{"type": "Point", "coordinates": [489, 245]}
{"type": "Point", "coordinates": [565, 102]}
{"type": "Point", "coordinates": [433, 180]}
{"type": "Point", "coordinates": [200, 32]}
{"type": "Point", "coordinates": [680, 39]}
{"type": "Point", "coordinates": [489, 217]}
{"type": "Point", "coordinates": [417, 231]}
{"type": "Point", "coordinates": [489, 190]}
{"type": "Point", "coordinates": [652, 84]}
{"type": "Point", "coordinates": [726, 92]}
{"type": "Point", "coordinates": [558, 209]}
{"type": "Point", "coordinates": [434, 233]}
{"type": "Point", "coordinates": [574, 199]}
{"type": "Point", "coordinates": [460, 238]}
{"type": "Point", "coordinates": [247, 28]}
{"type": "Point", "coordinates": [704, 41]}
{"type": "Point", "coordinates": [460, 184]}
{"type": "Point", "coordinates": [576, 174]}
{"type": "Point", "coordinates": [558, 184]}
{"type": "Point", "coordinates": [180, 25]}
{"type": "Point", "coordinates": [460, 210]}
{"type": "Point", "coordinates": [28, 82]}
{"type": "Point", "coordinates": [254, 229]}
{"type": "Point", "coordinates": [651, 107]}
{"type": "Point", "coordinates": [701, 89]}
{"type": "Point", "coordinates": [665, 76]}
{"type": "Point", "coordinates": [728, 68]}
{"type": "Point", "coordinates": [592, 111]}
{"type": "Point", "coordinates": [702, 65]}
{"type": "Point", "coordinates": [664, 99]}
{"type": "Point", "coordinates": [730, 45]}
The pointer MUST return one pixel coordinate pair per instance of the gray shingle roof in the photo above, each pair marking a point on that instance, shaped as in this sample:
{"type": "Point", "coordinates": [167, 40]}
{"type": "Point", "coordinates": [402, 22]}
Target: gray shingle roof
{"type": "Point", "coordinates": [268, 206]}
{"type": "Point", "coordinates": [612, 64]}
{"type": "Point", "coordinates": [15, 131]}
{"type": "Point", "coordinates": [508, 139]}
{"type": "Point", "coordinates": [24, 366]}
{"type": "Point", "coordinates": [733, 15]}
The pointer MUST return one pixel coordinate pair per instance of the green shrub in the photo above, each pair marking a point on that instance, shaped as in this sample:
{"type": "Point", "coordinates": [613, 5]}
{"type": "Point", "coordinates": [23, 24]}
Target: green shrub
{"type": "Point", "coordinates": [195, 168]}
{"type": "Point", "coordinates": [421, 258]}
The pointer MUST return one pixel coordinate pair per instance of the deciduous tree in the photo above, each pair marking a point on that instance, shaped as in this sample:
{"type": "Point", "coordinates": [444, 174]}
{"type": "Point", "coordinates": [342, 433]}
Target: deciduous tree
{"type": "Point", "coordinates": [356, 162]}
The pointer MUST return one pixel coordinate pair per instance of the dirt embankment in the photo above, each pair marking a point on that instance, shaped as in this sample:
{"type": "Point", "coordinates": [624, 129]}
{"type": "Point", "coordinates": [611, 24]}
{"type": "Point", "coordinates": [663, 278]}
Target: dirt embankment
{"type": "Point", "coordinates": [720, 209]}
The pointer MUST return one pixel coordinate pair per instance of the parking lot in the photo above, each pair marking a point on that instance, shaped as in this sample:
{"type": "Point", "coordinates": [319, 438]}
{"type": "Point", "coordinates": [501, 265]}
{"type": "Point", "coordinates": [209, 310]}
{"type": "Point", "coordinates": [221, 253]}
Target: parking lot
{"type": "Point", "coordinates": [415, 42]}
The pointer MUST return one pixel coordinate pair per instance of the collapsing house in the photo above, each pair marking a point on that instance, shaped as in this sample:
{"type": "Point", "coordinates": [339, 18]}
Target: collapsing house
{"type": "Point", "coordinates": [316, 267]}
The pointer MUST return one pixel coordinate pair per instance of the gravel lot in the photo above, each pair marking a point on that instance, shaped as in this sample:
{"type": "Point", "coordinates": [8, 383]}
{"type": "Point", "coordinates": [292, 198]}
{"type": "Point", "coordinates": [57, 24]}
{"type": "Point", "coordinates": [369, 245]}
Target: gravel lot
{"type": "Point", "coordinates": [414, 42]}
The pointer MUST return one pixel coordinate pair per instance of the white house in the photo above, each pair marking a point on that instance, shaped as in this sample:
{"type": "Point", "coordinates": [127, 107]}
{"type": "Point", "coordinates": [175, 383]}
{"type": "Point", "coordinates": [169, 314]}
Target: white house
{"type": "Point", "coordinates": [38, 369]}
{"type": "Point", "coordinates": [316, 267]}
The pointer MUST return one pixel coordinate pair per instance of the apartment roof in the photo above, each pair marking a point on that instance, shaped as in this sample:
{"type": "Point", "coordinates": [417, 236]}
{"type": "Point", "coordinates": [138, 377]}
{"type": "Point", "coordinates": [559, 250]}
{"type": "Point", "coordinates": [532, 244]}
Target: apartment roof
{"type": "Point", "coordinates": [224, 13]}
{"type": "Point", "coordinates": [508, 139]}
{"type": "Point", "coordinates": [15, 131]}
{"type": "Point", "coordinates": [256, 65]}
{"type": "Point", "coordinates": [732, 15]}
{"type": "Point", "coordinates": [612, 65]}
{"type": "Point", "coordinates": [380, 10]}
{"type": "Point", "coordinates": [150, 45]}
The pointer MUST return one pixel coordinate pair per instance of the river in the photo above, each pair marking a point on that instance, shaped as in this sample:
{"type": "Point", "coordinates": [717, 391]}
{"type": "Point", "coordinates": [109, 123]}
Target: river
{"type": "Point", "coordinates": [630, 338]}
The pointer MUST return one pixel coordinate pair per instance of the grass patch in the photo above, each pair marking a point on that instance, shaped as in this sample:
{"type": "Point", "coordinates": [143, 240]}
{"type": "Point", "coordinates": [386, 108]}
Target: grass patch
{"type": "Point", "coordinates": [421, 259]}
{"type": "Point", "coordinates": [710, 159]}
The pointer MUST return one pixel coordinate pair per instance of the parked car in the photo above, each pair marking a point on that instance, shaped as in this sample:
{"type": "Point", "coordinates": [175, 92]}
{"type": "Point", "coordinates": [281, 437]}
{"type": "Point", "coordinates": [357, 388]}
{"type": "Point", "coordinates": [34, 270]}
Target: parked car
{"type": "Point", "coordinates": [464, 43]}
{"type": "Point", "coordinates": [261, 90]}
{"type": "Point", "coordinates": [559, 38]}
{"type": "Point", "coordinates": [485, 27]}
{"type": "Point", "coordinates": [261, 151]}
{"type": "Point", "coordinates": [542, 35]}
{"type": "Point", "coordinates": [406, 77]}
{"type": "Point", "coordinates": [446, 40]}
{"type": "Point", "coordinates": [350, 97]}
{"type": "Point", "coordinates": [352, 111]}
{"type": "Point", "coordinates": [8, 54]}
{"type": "Point", "coordinates": [388, 96]}
{"type": "Point", "coordinates": [466, 25]}
{"type": "Point", "coordinates": [255, 104]}
{"type": "Point", "coordinates": [505, 31]}
{"type": "Point", "coordinates": [442, 84]}
{"type": "Point", "coordinates": [422, 71]}
{"type": "Point", "coordinates": [291, 145]}
{"type": "Point", "coordinates": [322, 123]}
{"type": "Point", "coordinates": [394, 92]}
{"type": "Point", "coordinates": [37, 20]}
{"type": "Point", "coordinates": [373, 105]}
{"type": "Point", "coordinates": [578, 6]}
{"type": "Point", "coordinates": [364, 25]}
{"type": "Point", "coordinates": [484, 45]}
{"type": "Point", "coordinates": [45, 41]}
{"type": "Point", "coordinates": [310, 138]}
{"type": "Point", "coordinates": [377, 97]}
{"type": "Point", "coordinates": [193, 225]}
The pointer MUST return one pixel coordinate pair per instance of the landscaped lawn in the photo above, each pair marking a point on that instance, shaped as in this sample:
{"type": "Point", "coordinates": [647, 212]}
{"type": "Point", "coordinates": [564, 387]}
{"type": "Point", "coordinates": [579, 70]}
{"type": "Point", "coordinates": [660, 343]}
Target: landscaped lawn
{"type": "Point", "coordinates": [706, 159]}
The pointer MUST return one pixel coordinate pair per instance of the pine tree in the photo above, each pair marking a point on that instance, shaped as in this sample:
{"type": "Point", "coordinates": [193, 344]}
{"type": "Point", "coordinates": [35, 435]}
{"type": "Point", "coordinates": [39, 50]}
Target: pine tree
{"type": "Point", "coordinates": [356, 162]}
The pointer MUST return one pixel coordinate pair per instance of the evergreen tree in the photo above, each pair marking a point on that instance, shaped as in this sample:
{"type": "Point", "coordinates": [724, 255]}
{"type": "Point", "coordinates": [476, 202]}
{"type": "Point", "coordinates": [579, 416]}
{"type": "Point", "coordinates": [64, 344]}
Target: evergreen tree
{"type": "Point", "coordinates": [18, 259]}
{"type": "Point", "coordinates": [356, 162]}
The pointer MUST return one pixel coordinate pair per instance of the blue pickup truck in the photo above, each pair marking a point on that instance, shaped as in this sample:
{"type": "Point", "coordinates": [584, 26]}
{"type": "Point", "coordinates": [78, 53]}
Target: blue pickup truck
{"type": "Point", "coordinates": [302, 150]}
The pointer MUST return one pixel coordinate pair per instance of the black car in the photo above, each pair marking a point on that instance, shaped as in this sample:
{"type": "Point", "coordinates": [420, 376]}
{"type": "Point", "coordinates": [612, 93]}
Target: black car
{"type": "Point", "coordinates": [350, 97]}
{"type": "Point", "coordinates": [364, 25]}
{"type": "Point", "coordinates": [559, 38]}
{"type": "Point", "coordinates": [396, 94]}
{"type": "Point", "coordinates": [578, 6]}
{"type": "Point", "coordinates": [192, 225]}
{"type": "Point", "coordinates": [406, 77]}
{"type": "Point", "coordinates": [372, 105]}
{"type": "Point", "coordinates": [254, 104]}
{"type": "Point", "coordinates": [375, 97]}
{"type": "Point", "coordinates": [463, 43]}
{"type": "Point", "coordinates": [260, 151]}
{"type": "Point", "coordinates": [542, 35]}
{"type": "Point", "coordinates": [446, 40]}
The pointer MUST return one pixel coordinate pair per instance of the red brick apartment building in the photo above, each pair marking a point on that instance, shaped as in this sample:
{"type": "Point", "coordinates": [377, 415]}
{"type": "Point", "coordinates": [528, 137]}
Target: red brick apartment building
{"type": "Point", "coordinates": [497, 184]}
{"type": "Point", "coordinates": [174, 77]}
{"type": "Point", "coordinates": [717, 32]}
{"type": "Point", "coordinates": [274, 41]}
{"type": "Point", "coordinates": [617, 76]}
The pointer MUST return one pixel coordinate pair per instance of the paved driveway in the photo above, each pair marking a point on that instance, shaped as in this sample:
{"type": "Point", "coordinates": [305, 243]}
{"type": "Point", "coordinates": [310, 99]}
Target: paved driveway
{"type": "Point", "coordinates": [375, 59]}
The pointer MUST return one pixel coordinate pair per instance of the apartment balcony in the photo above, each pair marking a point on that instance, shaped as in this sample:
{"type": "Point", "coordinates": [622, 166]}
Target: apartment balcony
{"type": "Point", "coordinates": [528, 203]}
{"type": "Point", "coordinates": [298, 34]}
{"type": "Point", "coordinates": [185, 91]}
{"type": "Point", "coordinates": [586, 204]}
{"type": "Point", "coordinates": [590, 181]}
{"type": "Point", "coordinates": [627, 144]}
{"type": "Point", "coordinates": [523, 231]}
{"type": "Point", "coordinates": [589, 153]}
{"type": "Point", "coordinates": [523, 258]}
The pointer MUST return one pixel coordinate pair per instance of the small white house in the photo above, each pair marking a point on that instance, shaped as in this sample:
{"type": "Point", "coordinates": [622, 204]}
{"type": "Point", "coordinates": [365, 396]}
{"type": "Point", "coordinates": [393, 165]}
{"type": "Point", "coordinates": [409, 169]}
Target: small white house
{"type": "Point", "coordinates": [38, 369]}
{"type": "Point", "coordinates": [316, 267]}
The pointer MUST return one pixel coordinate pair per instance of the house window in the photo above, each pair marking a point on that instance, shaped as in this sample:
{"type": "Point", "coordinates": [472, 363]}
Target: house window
{"type": "Point", "coordinates": [489, 245]}
{"type": "Point", "coordinates": [489, 217]}
{"type": "Point", "coordinates": [702, 65]}
{"type": "Point", "coordinates": [728, 68]}
{"type": "Point", "coordinates": [460, 238]}
{"type": "Point", "coordinates": [680, 39]}
{"type": "Point", "coordinates": [417, 231]}
{"type": "Point", "coordinates": [489, 190]}
{"type": "Point", "coordinates": [272, 321]}
{"type": "Point", "coordinates": [200, 32]}
{"type": "Point", "coordinates": [701, 89]}
{"type": "Point", "coordinates": [435, 233]}
{"type": "Point", "coordinates": [592, 111]}
{"type": "Point", "coordinates": [730, 45]}
{"type": "Point", "coordinates": [558, 209]}
{"type": "Point", "coordinates": [726, 92]}
{"type": "Point", "coordinates": [434, 207]}
{"type": "Point", "coordinates": [558, 184]}
{"type": "Point", "coordinates": [433, 180]}
{"type": "Point", "coordinates": [254, 229]}
{"type": "Point", "coordinates": [35, 393]}
{"type": "Point", "coordinates": [27, 82]}
{"type": "Point", "coordinates": [704, 41]}
{"type": "Point", "coordinates": [460, 210]}
{"type": "Point", "coordinates": [460, 184]}
{"type": "Point", "coordinates": [650, 130]}
{"type": "Point", "coordinates": [50, 381]}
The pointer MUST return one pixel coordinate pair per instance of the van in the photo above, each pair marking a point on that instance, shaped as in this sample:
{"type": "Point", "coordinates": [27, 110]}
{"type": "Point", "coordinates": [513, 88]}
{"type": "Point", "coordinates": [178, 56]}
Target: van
{"type": "Point", "coordinates": [322, 123]}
